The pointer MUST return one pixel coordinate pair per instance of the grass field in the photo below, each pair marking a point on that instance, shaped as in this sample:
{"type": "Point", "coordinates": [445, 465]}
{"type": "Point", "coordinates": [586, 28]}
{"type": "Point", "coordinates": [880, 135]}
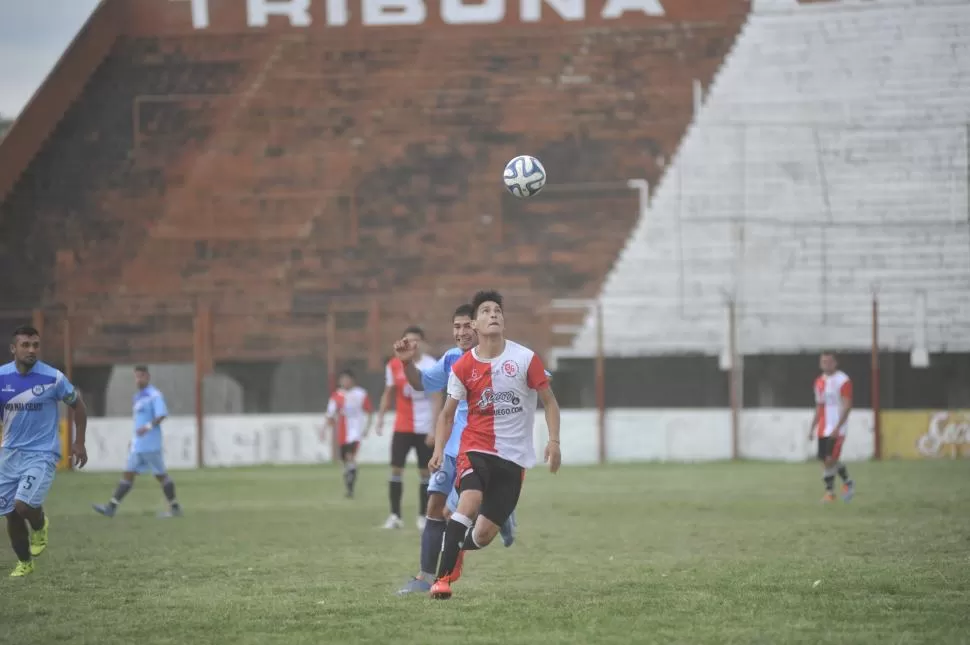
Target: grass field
{"type": "Point", "coordinates": [719, 553]}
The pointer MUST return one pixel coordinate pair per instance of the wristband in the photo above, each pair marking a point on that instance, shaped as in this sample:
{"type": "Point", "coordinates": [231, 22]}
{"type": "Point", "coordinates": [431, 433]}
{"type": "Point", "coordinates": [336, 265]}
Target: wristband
{"type": "Point", "coordinates": [554, 441]}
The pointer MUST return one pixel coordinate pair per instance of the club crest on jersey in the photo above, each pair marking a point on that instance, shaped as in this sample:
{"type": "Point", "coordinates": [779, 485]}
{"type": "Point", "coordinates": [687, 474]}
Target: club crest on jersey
{"type": "Point", "coordinates": [491, 397]}
{"type": "Point", "coordinates": [37, 390]}
{"type": "Point", "coordinates": [510, 368]}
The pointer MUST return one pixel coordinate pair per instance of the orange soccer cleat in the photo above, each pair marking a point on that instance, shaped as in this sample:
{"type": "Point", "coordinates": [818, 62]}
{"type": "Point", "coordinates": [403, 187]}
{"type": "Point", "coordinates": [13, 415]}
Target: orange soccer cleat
{"type": "Point", "coordinates": [441, 589]}
{"type": "Point", "coordinates": [828, 497]}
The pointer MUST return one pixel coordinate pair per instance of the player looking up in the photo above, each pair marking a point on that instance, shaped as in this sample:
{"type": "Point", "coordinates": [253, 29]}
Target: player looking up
{"type": "Point", "coordinates": [500, 380]}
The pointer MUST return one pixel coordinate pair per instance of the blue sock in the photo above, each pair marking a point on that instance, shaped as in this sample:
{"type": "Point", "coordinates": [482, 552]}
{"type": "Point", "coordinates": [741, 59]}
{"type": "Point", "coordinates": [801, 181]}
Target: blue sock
{"type": "Point", "coordinates": [431, 539]}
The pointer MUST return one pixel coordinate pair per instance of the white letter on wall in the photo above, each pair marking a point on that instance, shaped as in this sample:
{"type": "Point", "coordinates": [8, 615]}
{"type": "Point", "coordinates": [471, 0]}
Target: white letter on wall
{"type": "Point", "coordinates": [456, 12]}
{"type": "Point", "coordinates": [298, 11]}
{"type": "Point", "coordinates": [200, 14]}
{"type": "Point", "coordinates": [337, 13]}
{"type": "Point", "coordinates": [616, 8]}
{"type": "Point", "coordinates": [531, 10]}
{"type": "Point", "coordinates": [393, 12]}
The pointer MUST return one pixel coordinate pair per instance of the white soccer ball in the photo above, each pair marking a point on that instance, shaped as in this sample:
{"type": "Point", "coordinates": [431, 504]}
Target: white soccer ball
{"type": "Point", "coordinates": [524, 176]}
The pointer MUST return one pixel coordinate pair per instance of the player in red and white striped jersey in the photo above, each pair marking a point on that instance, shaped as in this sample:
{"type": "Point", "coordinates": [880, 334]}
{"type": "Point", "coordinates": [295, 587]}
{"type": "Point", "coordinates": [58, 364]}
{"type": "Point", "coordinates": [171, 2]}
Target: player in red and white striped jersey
{"type": "Point", "coordinates": [349, 413]}
{"type": "Point", "coordinates": [413, 425]}
{"type": "Point", "coordinates": [501, 380]}
{"type": "Point", "coordinates": [833, 402]}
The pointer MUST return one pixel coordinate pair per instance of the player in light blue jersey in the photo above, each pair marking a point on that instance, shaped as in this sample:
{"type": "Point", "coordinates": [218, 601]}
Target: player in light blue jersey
{"type": "Point", "coordinates": [146, 447]}
{"type": "Point", "coordinates": [442, 496]}
{"type": "Point", "coordinates": [30, 391]}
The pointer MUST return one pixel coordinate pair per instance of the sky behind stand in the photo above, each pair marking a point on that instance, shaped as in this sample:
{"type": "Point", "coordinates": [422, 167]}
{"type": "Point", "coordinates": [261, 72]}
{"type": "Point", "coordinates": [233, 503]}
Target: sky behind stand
{"type": "Point", "coordinates": [33, 35]}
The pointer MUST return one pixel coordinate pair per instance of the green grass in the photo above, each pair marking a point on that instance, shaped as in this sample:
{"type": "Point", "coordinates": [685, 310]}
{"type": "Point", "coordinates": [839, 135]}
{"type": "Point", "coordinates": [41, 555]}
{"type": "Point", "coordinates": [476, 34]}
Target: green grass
{"type": "Point", "coordinates": [719, 553]}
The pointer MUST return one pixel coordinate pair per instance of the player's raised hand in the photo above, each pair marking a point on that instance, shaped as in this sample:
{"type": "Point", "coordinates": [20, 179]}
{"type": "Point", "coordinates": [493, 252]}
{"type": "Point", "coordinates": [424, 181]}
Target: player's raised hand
{"type": "Point", "coordinates": [79, 455]}
{"type": "Point", "coordinates": [434, 464]}
{"type": "Point", "coordinates": [553, 456]}
{"type": "Point", "coordinates": [404, 350]}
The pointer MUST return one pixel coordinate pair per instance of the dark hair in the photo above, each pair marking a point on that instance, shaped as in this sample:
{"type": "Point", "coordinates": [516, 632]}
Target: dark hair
{"type": "Point", "coordinates": [483, 297]}
{"type": "Point", "coordinates": [24, 330]}
{"type": "Point", "coordinates": [347, 372]}
{"type": "Point", "coordinates": [828, 352]}
{"type": "Point", "coordinates": [414, 329]}
{"type": "Point", "coordinates": [464, 310]}
{"type": "Point", "coordinates": [141, 368]}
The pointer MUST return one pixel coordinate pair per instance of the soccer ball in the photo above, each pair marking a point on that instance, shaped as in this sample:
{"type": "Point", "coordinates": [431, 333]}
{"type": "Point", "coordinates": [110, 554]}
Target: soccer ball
{"type": "Point", "coordinates": [524, 176]}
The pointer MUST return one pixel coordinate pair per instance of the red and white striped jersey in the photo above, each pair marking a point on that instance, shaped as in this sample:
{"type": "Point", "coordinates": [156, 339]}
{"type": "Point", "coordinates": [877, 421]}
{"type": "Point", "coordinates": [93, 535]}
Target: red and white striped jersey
{"type": "Point", "coordinates": [349, 409]}
{"type": "Point", "coordinates": [829, 391]}
{"type": "Point", "coordinates": [501, 395]}
{"type": "Point", "coordinates": [412, 409]}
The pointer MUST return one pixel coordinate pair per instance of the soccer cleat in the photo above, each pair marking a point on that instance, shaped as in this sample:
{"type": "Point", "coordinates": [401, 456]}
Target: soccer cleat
{"type": "Point", "coordinates": [441, 589]}
{"type": "Point", "coordinates": [415, 585]}
{"type": "Point", "coordinates": [393, 522]}
{"type": "Point", "coordinates": [38, 539]}
{"type": "Point", "coordinates": [175, 511]}
{"type": "Point", "coordinates": [828, 497]}
{"type": "Point", "coordinates": [104, 509]}
{"type": "Point", "coordinates": [23, 569]}
{"type": "Point", "coordinates": [507, 530]}
{"type": "Point", "coordinates": [848, 491]}
{"type": "Point", "coordinates": [422, 520]}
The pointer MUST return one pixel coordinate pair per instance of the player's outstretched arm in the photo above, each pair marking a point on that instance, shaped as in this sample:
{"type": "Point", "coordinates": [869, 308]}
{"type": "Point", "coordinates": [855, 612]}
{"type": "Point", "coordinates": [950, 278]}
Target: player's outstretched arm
{"type": "Point", "coordinates": [443, 431]}
{"type": "Point", "coordinates": [553, 454]}
{"type": "Point", "coordinates": [813, 426]}
{"type": "Point", "coordinates": [79, 454]}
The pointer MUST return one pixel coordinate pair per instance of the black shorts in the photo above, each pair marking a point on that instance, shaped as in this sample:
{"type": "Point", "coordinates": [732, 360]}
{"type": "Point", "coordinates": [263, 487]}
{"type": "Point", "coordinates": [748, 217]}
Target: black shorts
{"type": "Point", "coordinates": [830, 447]}
{"type": "Point", "coordinates": [349, 450]}
{"type": "Point", "coordinates": [499, 479]}
{"type": "Point", "coordinates": [401, 444]}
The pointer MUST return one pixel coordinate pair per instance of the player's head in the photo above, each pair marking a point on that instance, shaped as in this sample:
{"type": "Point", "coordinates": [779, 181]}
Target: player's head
{"type": "Point", "coordinates": [827, 363]}
{"type": "Point", "coordinates": [25, 345]}
{"type": "Point", "coordinates": [489, 316]}
{"type": "Point", "coordinates": [415, 335]}
{"type": "Point", "coordinates": [347, 379]}
{"type": "Point", "coordinates": [462, 328]}
{"type": "Point", "coordinates": [142, 377]}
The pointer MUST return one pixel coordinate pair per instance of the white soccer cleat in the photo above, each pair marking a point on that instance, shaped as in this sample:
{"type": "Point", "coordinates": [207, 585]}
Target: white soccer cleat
{"type": "Point", "coordinates": [422, 520]}
{"type": "Point", "coordinates": [393, 522]}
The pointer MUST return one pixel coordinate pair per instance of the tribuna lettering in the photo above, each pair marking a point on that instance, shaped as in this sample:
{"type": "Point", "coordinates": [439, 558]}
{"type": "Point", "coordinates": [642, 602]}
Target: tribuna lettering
{"type": "Point", "coordinates": [415, 12]}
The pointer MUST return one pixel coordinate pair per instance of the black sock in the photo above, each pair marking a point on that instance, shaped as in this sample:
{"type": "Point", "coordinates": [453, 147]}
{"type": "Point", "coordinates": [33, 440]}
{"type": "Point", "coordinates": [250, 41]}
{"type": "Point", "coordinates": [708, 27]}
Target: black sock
{"type": "Point", "coordinates": [396, 489]}
{"type": "Point", "coordinates": [829, 482]}
{"type": "Point", "coordinates": [120, 492]}
{"type": "Point", "coordinates": [431, 540]}
{"type": "Point", "coordinates": [455, 532]}
{"type": "Point", "coordinates": [469, 544]}
{"type": "Point", "coordinates": [844, 473]}
{"type": "Point", "coordinates": [350, 477]}
{"type": "Point", "coordinates": [19, 537]}
{"type": "Point", "coordinates": [168, 487]}
{"type": "Point", "coordinates": [423, 498]}
{"type": "Point", "coordinates": [37, 523]}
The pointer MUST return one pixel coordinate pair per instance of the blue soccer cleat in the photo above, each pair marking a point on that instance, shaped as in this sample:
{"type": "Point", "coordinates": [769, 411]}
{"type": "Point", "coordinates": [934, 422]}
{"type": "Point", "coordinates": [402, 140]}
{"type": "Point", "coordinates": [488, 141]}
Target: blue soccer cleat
{"type": "Point", "coordinates": [507, 530]}
{"type": "Point", "coordinates": [415, 585]}
{"type": "Point", "coordinates": [104, 509]}
{"type": "Point", "coordinates": [848, 491]}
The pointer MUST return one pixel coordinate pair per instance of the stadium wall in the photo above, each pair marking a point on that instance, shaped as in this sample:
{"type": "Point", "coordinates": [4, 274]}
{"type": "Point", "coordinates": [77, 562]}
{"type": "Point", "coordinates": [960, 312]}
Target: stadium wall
{"type": "Point", "coordinates": [673, 435]}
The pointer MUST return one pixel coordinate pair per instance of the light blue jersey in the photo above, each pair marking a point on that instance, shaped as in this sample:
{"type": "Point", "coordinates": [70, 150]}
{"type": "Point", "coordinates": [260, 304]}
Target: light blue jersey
{"type": "Point", "coordinates": [28, 407]}
{"type": "Point", "coordinates": [149, 404]}
{"type": "Point", "coordinates": [435, 379]}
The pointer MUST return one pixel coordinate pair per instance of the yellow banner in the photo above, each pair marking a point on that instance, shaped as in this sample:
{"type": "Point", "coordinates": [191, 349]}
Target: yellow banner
{"type": "Point", "coordinates": [925, 434]}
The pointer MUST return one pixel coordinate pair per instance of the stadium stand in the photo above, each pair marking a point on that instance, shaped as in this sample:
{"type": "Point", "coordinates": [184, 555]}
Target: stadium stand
{"type": "Point", "coordinates": [828, 162]}
{"type": "Point", "coordinates": [282, 175]}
